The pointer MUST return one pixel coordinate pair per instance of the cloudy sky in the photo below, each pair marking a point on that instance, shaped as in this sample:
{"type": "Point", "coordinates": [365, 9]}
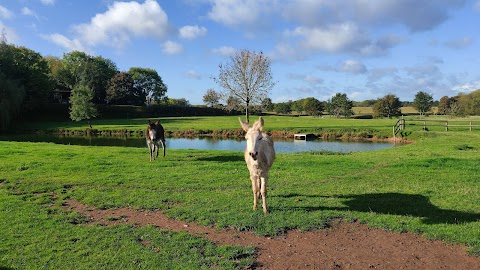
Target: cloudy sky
{"type": "Point", "coordinates": [364, 48]}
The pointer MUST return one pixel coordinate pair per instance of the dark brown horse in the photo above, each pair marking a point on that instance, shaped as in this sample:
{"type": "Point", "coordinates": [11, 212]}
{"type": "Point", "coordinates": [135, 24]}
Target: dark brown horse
{"type": "Point", "coordinates": [155, 134]}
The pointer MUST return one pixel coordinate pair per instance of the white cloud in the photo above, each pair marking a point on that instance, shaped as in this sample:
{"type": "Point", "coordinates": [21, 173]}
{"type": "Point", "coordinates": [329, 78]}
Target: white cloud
{"type": "Point", "coordinates": [192, 32]}
{"type": "Point", "coordinates": [335, 38]}
{"type": "Point", "coordinates": [414, 15]}
{"type": "Point", "coordinates": [5, 13]}
{"type": "Point", "coordinates": [308, 79]}
{"type": "Point", "coordinates": [477, 6]}
{"type": "Point", "coordinates": [28, 12]}
{"type": "Point", "coordinates": [459, 43]}
{"type": "Point", "coordinates": [225, 51]}
{"type": "Point", "coordinates": [48, 2]}
{"type": "Point", "coordinates": [64, 42]}
{"type": "Point", "coordinates": [238, 12]}
{"type": "Point", "coordinates": [353, 66]}
{"type": "Point", "coordinates": [467, 88]}
{"type": "Point", "coordinates": [122, 21]}
{"type": "Point", "coordinates": [193, 75]}
{"type": "Point", "coordinates": [170, 47]}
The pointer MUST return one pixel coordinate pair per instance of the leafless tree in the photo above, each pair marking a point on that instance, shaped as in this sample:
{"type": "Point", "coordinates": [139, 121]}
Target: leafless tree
{"type": "Point", "coordinates": [248, 77]}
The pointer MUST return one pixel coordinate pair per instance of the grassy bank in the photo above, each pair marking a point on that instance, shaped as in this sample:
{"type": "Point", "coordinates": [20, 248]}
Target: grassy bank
{"type": "Point", "coordinates": [430, 187]}
{"type": "Point", "coordinates": [225, 126]}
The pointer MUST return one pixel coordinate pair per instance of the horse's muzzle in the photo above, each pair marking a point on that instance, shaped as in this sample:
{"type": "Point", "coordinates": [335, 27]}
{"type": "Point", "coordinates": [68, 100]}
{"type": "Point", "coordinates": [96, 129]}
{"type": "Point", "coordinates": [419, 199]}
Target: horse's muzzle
{"type": "Point", "coordinates": [253, 155]}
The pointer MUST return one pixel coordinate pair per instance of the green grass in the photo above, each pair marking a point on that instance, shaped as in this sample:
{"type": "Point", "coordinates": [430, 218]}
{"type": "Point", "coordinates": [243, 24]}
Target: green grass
{"type": "Point", "coordinates": [326, 125]}
{"type": "Point", "coordinates": [309, 124]}
{"type": "Point", "coordinates": [430, 187]}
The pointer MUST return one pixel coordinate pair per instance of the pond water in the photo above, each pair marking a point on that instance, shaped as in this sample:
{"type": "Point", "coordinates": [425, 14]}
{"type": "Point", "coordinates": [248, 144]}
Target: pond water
{"type": "Point", "coordinates": [203, 143]}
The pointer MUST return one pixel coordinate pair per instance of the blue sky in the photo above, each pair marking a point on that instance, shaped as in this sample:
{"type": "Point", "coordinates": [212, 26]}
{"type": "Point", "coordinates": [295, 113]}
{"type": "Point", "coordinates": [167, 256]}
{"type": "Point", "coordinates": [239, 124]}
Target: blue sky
{"type": "Point", "coordinates": [364, 48]}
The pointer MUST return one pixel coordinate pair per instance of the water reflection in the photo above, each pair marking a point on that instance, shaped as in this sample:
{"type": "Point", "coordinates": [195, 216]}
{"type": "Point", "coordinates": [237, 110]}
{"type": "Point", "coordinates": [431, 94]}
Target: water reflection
{"type": "Point", "coordinates": [204, 143]}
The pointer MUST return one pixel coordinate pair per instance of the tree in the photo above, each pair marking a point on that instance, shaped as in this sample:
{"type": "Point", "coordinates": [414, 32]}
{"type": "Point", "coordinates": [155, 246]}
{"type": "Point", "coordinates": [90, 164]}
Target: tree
{"type": "Point", "coordinates": [340, 105]}
{"type": "Point", "coordinates": [81, 105]}
{"type": "Point", "coordinates": [470, 103]}
{"type": "Point", "coordinates": [423, 102]}
{"type": "Point", "coordinates": [248, 77]}
{"type": "Point", "coordinates": [150, 83]}
{"type": "Point", "coordinates": [233, 103]}
{"type": "Point", "coordinates": [11, 92]}
{"type": "Point", "coordinates": [212, 97]}
{"type": "Point", "coordinates": [312, 106]}
{"type": "Point", "coordinates": [267, 104]}
{"type": "Point", "coordinates": [283, 107]}
{"type": "Point", "coordinates": [11, 97]}
{"type": "Point", "coordinates": [27, 86]}
{"type": "Point", "coordinates": [121, 90]}
{"type": "Point", "coordinates": [93, 72]}
{"type": "Point", "coordinates": [387, 106]}
{"type": "Point", "coordinates": [180, 102]}
{"type": "Point", "coordinates": [444, 105]}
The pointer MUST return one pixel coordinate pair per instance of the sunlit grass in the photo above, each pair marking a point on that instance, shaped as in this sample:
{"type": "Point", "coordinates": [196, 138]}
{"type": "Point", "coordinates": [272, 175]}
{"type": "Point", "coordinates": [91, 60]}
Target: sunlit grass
{"type": "Point", "coordinates": [430, 187]}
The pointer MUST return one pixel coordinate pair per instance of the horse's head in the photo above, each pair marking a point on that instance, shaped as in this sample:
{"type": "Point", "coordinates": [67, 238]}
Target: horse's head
{"type": "Point", "coordinates": [253, 135]}
{"type": "Point", "coordinates": [152, 131]}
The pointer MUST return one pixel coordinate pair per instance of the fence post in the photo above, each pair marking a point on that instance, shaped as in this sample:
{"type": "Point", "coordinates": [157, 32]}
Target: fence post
{"type": "Point", "coordinates": [394, 138]}
{"type": "Point", "coordinates": [470, 125]}
{"type": "Point", "coordinates": [424, 125]}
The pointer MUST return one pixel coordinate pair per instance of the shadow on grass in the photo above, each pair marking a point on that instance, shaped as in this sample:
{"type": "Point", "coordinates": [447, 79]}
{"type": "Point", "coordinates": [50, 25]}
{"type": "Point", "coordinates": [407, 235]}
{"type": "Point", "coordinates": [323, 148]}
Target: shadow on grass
{"type": "Point", "coordinates": [223, 158]}
{"type": "Point", "coordinates": [395, 204]}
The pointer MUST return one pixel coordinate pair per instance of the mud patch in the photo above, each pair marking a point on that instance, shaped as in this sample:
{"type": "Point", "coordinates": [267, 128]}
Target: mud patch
{"type": "Point", "coordinates": [341, 246]}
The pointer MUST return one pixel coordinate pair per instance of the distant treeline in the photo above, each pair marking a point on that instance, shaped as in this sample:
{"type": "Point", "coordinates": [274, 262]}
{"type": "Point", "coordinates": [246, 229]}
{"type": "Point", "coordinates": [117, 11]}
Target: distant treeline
{"type": "Point", "coordinates": [56, 111]}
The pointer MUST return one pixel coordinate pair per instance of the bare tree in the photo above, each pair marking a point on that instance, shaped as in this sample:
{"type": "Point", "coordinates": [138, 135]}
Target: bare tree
{"type": "Point", "coordinates": [248, 77]}
{"type": "Point", "coordinates": [211, 98]}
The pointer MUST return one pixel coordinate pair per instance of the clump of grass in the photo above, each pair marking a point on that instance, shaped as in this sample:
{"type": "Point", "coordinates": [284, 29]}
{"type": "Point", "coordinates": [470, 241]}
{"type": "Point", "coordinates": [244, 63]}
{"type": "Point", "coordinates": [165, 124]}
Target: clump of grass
{"type": "Point", "coordinates": [464, 147]}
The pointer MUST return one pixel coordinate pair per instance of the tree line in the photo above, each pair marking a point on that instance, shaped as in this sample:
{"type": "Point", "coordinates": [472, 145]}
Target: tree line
{"type": "Point", "coordinates": [341, 106]}
{"type": "Point", "coordinates": [29, 81]}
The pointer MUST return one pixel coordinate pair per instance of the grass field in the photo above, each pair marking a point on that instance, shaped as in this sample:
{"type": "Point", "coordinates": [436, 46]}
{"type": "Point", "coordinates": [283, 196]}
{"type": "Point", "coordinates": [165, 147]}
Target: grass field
{"type": "Point", "coordinates": [430, 187]}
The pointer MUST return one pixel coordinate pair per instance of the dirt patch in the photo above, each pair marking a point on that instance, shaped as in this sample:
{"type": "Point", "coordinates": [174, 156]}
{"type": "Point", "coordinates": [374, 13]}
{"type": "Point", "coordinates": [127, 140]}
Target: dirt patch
{"type": "Point", "coordinates": [342, 246]}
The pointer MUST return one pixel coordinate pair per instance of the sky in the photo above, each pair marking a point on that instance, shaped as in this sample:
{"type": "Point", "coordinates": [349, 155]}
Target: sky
{"type": "Point", "coordinates": [363, 48]}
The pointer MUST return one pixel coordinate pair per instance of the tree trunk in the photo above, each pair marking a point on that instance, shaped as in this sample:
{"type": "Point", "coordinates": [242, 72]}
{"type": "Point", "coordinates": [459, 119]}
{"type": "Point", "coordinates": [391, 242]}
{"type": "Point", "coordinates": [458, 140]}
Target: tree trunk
{"type": "Point", "coordinates": [247, 115]}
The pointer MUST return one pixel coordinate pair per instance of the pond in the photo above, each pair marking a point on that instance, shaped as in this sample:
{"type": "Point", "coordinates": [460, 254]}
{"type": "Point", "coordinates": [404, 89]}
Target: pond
{"type": "Point", "coordinates": [203, 143]}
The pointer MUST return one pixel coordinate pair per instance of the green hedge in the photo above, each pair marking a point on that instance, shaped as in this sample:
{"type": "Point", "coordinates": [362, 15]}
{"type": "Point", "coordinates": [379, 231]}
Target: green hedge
{"type": "Point", "coordinates": [57, 111]}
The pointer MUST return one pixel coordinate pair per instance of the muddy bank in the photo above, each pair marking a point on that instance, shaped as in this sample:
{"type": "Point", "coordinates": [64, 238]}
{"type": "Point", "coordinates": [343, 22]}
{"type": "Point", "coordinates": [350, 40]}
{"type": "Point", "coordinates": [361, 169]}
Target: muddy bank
{"type": "Point", "coordinates": [236, 133]}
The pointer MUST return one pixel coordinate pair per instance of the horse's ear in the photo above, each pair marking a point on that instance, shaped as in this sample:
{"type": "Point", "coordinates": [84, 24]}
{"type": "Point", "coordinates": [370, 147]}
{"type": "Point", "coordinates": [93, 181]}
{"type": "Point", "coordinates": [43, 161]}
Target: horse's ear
{"type": "Point", "coordinates": [258, 124]}
{"type": "Point", "coordinates": [260, 119]}
{"type": "Point", "coordinates": [149, 121]}
{"type": "Point", "coordinates": [157, 123]}
{"type": "Point", "coordinates": [245, 126]}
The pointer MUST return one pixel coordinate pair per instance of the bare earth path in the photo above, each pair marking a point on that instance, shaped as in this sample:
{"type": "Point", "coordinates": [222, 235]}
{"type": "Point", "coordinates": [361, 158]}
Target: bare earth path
{"type": "Point", "coordinates": [342, 246]}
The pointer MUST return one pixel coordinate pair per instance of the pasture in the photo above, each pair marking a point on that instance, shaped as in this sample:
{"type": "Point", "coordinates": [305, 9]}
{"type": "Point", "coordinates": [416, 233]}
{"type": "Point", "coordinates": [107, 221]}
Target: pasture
{"type": "Point", "coordinates": [430, 188]}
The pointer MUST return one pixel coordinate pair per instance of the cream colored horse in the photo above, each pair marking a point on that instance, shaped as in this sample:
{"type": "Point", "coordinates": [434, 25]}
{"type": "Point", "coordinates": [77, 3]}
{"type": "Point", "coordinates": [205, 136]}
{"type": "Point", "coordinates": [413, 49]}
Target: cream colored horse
{"type": "Point", "coordinates": [259, 156]}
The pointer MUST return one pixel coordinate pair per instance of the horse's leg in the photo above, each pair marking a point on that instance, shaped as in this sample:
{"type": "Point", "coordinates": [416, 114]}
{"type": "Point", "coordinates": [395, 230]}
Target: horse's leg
{"type": "Point", "coordinates": [263, 191]}
{"type": "Point", "coordinates": [150, 150]}
{"type": "Point", "coordinates": [163, 146]}
{"type": "Point", "coordinates": [154, 146]}
{"type": "Point", "coordinates": [255, 189]}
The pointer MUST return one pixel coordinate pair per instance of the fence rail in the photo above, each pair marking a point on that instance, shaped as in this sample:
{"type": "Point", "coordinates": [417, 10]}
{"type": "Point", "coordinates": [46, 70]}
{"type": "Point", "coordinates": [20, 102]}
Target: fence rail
{"type": "Point", "coordinates": [425, 124]}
